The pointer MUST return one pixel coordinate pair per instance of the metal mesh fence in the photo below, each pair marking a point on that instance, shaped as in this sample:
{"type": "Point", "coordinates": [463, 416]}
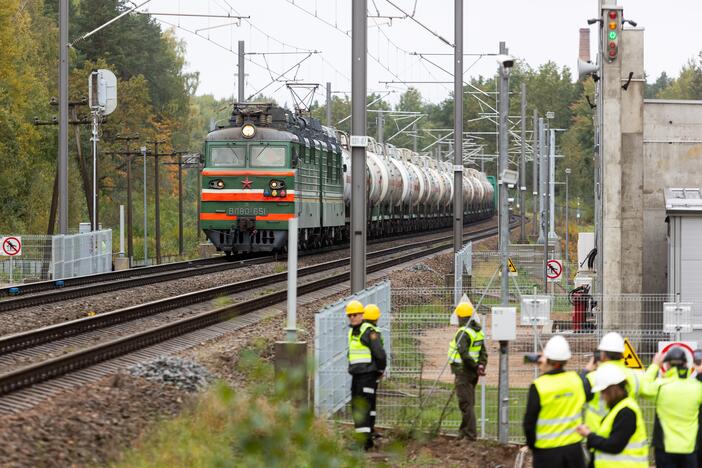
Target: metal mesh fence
{"type": "Point", "coordinates": [419, 392]}
{"type": "Point", "coordinates": [81, 254]}
{"type": "Point", "coordinates": [34, 264]}
{"type": "Point", "coordinates": [332, 382]}
{"type": "Point", "coordinates": [59, 256]}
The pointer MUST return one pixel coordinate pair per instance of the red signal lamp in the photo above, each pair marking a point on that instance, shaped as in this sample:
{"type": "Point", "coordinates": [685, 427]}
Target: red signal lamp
{"type": "Point", "coordinates": [613, 14]}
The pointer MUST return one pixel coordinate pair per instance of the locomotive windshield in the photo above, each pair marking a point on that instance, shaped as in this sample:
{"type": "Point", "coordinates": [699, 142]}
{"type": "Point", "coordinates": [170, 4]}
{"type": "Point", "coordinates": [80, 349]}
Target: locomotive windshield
{"type": "Point", "coordinates": [267, 156]}
{"type": "Point", "coordinates": [228, 157]}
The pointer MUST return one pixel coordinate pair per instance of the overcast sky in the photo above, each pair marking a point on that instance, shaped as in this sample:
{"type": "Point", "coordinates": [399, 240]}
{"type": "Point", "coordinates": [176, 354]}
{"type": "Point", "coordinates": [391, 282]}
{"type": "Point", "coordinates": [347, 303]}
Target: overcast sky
{"type": "Point", "coordinates": [534, 30]}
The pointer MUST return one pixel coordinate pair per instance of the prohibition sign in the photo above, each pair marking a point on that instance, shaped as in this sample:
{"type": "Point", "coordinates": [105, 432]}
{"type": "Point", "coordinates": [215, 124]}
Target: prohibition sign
{"type": "Point", "coordinates": [11, 246]}
{"type": "Point", "coordinates": [554, 268]}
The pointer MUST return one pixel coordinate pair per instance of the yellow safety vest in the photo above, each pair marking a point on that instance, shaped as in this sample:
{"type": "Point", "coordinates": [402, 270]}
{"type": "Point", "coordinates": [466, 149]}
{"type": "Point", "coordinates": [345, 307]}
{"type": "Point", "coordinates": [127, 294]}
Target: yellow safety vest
{"type": "Point", "coordinates": [562, 397]}
{"type": "Point", "coordinates": [635, 454]}
{"type": "Point", "coordinates": [477, 338]}
{"type": "Point", "coordinates": [358, 352]}
{"type": "Point", "coordinates": [596, 408]}
{"type": "Point", "coordinates": [677, 403]}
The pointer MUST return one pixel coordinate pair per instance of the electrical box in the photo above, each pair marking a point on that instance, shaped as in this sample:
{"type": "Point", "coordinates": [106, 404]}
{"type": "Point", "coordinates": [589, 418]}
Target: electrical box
{"type": "Point", "coordinates": [536, 310]}
{"type": "Point", "coordinates": [504, 323]}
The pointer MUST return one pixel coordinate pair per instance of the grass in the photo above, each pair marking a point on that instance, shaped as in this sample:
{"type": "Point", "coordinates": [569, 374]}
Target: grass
{"type": "Point", "coordinates": [257, 426]}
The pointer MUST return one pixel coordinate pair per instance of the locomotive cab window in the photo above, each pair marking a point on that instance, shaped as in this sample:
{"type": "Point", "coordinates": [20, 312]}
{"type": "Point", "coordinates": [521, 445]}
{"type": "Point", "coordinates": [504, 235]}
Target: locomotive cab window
{"type": "Point", "coordinates": [267, 156]}
{"type": "Point", "coordinates": [228, 157]}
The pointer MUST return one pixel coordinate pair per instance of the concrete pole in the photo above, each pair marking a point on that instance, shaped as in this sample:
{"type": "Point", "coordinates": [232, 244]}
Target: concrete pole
{"type": "Point", "coordinates": [180, 207]}
{"type": "Point", "coordinates": [199, 201]}
{"type": "Point", "coordinates": [157, 205]}
{"type": "Point", "coordinates": [130, 235]}
{"type": "Point", "coordinates": [359, 128]}
{"type": "Point", "coordinates": [552, 186]}
{"type": "Point", "coordinates": [146, 219]}
{"type": "Point", "coordinates": [542, 181]}
{"type": "Point", "coordinates": [414, 137]}
{"type": "Point", "coordinates": [291, 329]}
{"type": "Point", "coordinates": [567, 209]}
{"type": "Point", "coordinates": [381, 128]}
{"type": "Point", "coordinates": [329, 105]}
{"type": "Point", "coordinates": [535, 172]}
{"type": "Point", "coordinates": [522, 168]}
{"type": "Point", "coordinates": [63, 118]}
{"type": "Point", "coordinates": [121, 230]}
{"type": "Point", "coordinates": [503, 384]}
{"type": "Point", "coordinates": [240, 69]}
{"type": "Point", "coordinates": [458, 126]}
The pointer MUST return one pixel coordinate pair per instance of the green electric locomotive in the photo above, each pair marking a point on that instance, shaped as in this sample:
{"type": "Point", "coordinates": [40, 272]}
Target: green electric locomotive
{"type": "Point", "coordinates": [269, 164]}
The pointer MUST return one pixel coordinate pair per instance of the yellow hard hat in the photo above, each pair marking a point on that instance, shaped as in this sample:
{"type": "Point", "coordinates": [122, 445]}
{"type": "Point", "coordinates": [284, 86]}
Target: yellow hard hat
{"type": "Point", "coordinates": [464, 309]}
{"type": "Point", "coordinates": [371, 312]}
{"type": "Point", "coordinates": [354, 307]}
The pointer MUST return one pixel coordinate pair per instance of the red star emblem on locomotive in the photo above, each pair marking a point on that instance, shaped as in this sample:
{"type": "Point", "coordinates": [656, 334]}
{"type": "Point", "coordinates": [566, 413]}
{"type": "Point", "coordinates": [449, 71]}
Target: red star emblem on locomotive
{"type": "Point", "coordinates": [246, 183]}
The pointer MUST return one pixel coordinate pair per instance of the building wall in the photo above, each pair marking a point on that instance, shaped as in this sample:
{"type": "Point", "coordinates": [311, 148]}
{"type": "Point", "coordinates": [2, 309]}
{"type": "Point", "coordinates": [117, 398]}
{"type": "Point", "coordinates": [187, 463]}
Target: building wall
{"type": "Point", "coordinates": [672, 157]}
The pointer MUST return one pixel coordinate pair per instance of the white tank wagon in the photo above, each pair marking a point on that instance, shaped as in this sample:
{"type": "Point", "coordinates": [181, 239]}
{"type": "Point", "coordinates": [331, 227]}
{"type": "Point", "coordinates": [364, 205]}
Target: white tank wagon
{"type": "Point", "coordinates": [408, 191]}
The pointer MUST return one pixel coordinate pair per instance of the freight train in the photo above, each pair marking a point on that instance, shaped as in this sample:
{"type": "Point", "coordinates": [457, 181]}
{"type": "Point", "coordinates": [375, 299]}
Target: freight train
{"type": "Point", "coordinates": [270, 163]}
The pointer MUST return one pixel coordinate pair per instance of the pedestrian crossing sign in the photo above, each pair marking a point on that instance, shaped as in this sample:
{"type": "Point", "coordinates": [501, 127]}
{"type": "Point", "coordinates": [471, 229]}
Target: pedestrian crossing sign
{"type": "Point", "coordinates": [512, 269]}
{"type": "Point", "coordinates": [631, 360]}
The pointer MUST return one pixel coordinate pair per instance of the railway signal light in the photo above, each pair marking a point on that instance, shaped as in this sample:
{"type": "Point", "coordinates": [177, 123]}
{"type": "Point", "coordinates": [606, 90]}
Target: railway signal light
{"type": "Point", "coordinates": [612, 32]}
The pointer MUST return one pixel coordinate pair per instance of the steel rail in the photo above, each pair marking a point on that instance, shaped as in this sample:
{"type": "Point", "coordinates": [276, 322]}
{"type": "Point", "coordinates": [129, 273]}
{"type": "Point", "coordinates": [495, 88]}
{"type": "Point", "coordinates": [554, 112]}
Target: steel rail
{"type": "Point", "coordinates": [55, 367]}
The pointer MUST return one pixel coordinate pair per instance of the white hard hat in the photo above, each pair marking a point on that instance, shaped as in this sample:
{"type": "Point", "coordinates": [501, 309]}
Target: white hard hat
{"type": "Point", "coordinates": [557, 349]}
{"type": "Point", "coordinates": [612, 342]}
{"type": "Point", "coordinates": [606, 376]}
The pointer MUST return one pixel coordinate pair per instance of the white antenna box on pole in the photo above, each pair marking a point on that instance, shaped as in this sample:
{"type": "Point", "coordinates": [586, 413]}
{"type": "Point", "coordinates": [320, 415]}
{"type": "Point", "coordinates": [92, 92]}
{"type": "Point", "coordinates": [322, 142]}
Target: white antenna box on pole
{"type": "Point", "coordinates": [102, 91]}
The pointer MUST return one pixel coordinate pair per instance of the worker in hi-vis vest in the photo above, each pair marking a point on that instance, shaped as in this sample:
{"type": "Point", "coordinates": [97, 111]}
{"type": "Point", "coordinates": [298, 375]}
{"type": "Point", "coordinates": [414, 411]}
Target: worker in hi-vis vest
{"type": "Point", "coordinates": [611, 353]}
{"type": "Point", "coordinates": [554, 410]}
{"type": "Point", "coordinates": [620, 439]}
{"type": "Point", "coordinates": [468, 358]}
{"type": "Point", "coordinates": [367, 361]}
{"type": "Point", "coordinates": [678, 398]}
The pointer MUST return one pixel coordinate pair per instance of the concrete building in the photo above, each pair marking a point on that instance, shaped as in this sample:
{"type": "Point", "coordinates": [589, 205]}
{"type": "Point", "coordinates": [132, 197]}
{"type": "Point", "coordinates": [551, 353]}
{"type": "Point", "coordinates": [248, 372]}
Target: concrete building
{"type": "Point", "coordinates": [648, 146]}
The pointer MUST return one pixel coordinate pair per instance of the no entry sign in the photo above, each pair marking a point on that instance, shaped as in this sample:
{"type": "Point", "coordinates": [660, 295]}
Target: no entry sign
{"type": "Point", "coordinates": [554, 270]}
{"type": "Point", "coordinates": [11, 246]}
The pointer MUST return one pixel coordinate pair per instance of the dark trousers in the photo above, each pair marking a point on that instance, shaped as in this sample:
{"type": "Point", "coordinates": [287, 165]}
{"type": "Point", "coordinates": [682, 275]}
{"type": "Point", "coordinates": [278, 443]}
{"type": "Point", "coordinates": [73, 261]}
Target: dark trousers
{"type": "Point", "coordinates": [465, 382]}
{"type": "Point", "coordinates": [363, 396]}
{"type": "Point", "coordinates": [569, 456]}
{"type": "Point", "coordinates": [675, 460]}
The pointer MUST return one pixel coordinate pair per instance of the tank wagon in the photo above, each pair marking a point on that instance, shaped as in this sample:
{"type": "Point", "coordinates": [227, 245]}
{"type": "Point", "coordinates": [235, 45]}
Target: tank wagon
{"type": "Point", "coordinates": [269, 164]}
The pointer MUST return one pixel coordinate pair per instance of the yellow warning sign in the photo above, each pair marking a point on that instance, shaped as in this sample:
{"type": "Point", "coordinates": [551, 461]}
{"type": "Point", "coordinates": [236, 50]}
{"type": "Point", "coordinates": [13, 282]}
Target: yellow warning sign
{"type": "Point", "coordinates": [512, 269]}
{"type": "Point", "coordinates": [631, 360]}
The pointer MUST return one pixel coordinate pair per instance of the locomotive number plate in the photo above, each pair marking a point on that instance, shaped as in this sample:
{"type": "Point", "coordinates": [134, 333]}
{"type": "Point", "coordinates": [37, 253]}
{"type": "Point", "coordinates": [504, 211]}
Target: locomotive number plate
{"type": "Point", "coordinates": [251, 211]}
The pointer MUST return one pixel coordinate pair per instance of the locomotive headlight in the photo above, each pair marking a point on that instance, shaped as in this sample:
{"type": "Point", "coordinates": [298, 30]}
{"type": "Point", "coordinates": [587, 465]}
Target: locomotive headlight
{"type": "Point", "coordinates": [248, 130]}
{"type": "Point", "coordinates": [217, 184]}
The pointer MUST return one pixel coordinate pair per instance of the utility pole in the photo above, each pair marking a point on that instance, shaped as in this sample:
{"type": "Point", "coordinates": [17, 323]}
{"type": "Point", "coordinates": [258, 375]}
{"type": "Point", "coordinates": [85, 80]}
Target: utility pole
{"type": "Point", "coordinates": [242, 57]}
{"type": "Point", "coordinates": [381, 127]}
{"type": "Point", "coordinates": [329, 104]}
{"type": "Point", "coordinates": [522, 168]}
{"type": "Point", "coordinates": [129, 154]}
{"type": "Point", "coordinates": [535, 172]}
{"type": "Point", "coordinates": [359, 141]}
{"type": "Point", "coordinates": [180, 206]}
{"type": "Point", "coordinates": [503, 162]}
{"type": "Point", "coordinates": [157, 202]}
{"type": "Point", "coordinates": [458, 126]}
{"type": "Point", "coordinates": [146, 223]}
{"type": "Point", "coordinates": [63, 118]}
{"type": "Point", "coordinates": [414, 137]}
{"type": "Point", "coordinates": [552, 185]}
{"type": "Point", "coordinates": [567, 209]}
{"type": "Point", "coordinates": [543, 166]}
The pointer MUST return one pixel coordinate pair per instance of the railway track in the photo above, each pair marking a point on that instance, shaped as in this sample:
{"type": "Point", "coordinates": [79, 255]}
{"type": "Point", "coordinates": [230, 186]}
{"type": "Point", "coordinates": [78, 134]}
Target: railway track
{"type": "Point", "coordinates": [40, 343]}
{"type": "Point", "coordinates": [48, 292]}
